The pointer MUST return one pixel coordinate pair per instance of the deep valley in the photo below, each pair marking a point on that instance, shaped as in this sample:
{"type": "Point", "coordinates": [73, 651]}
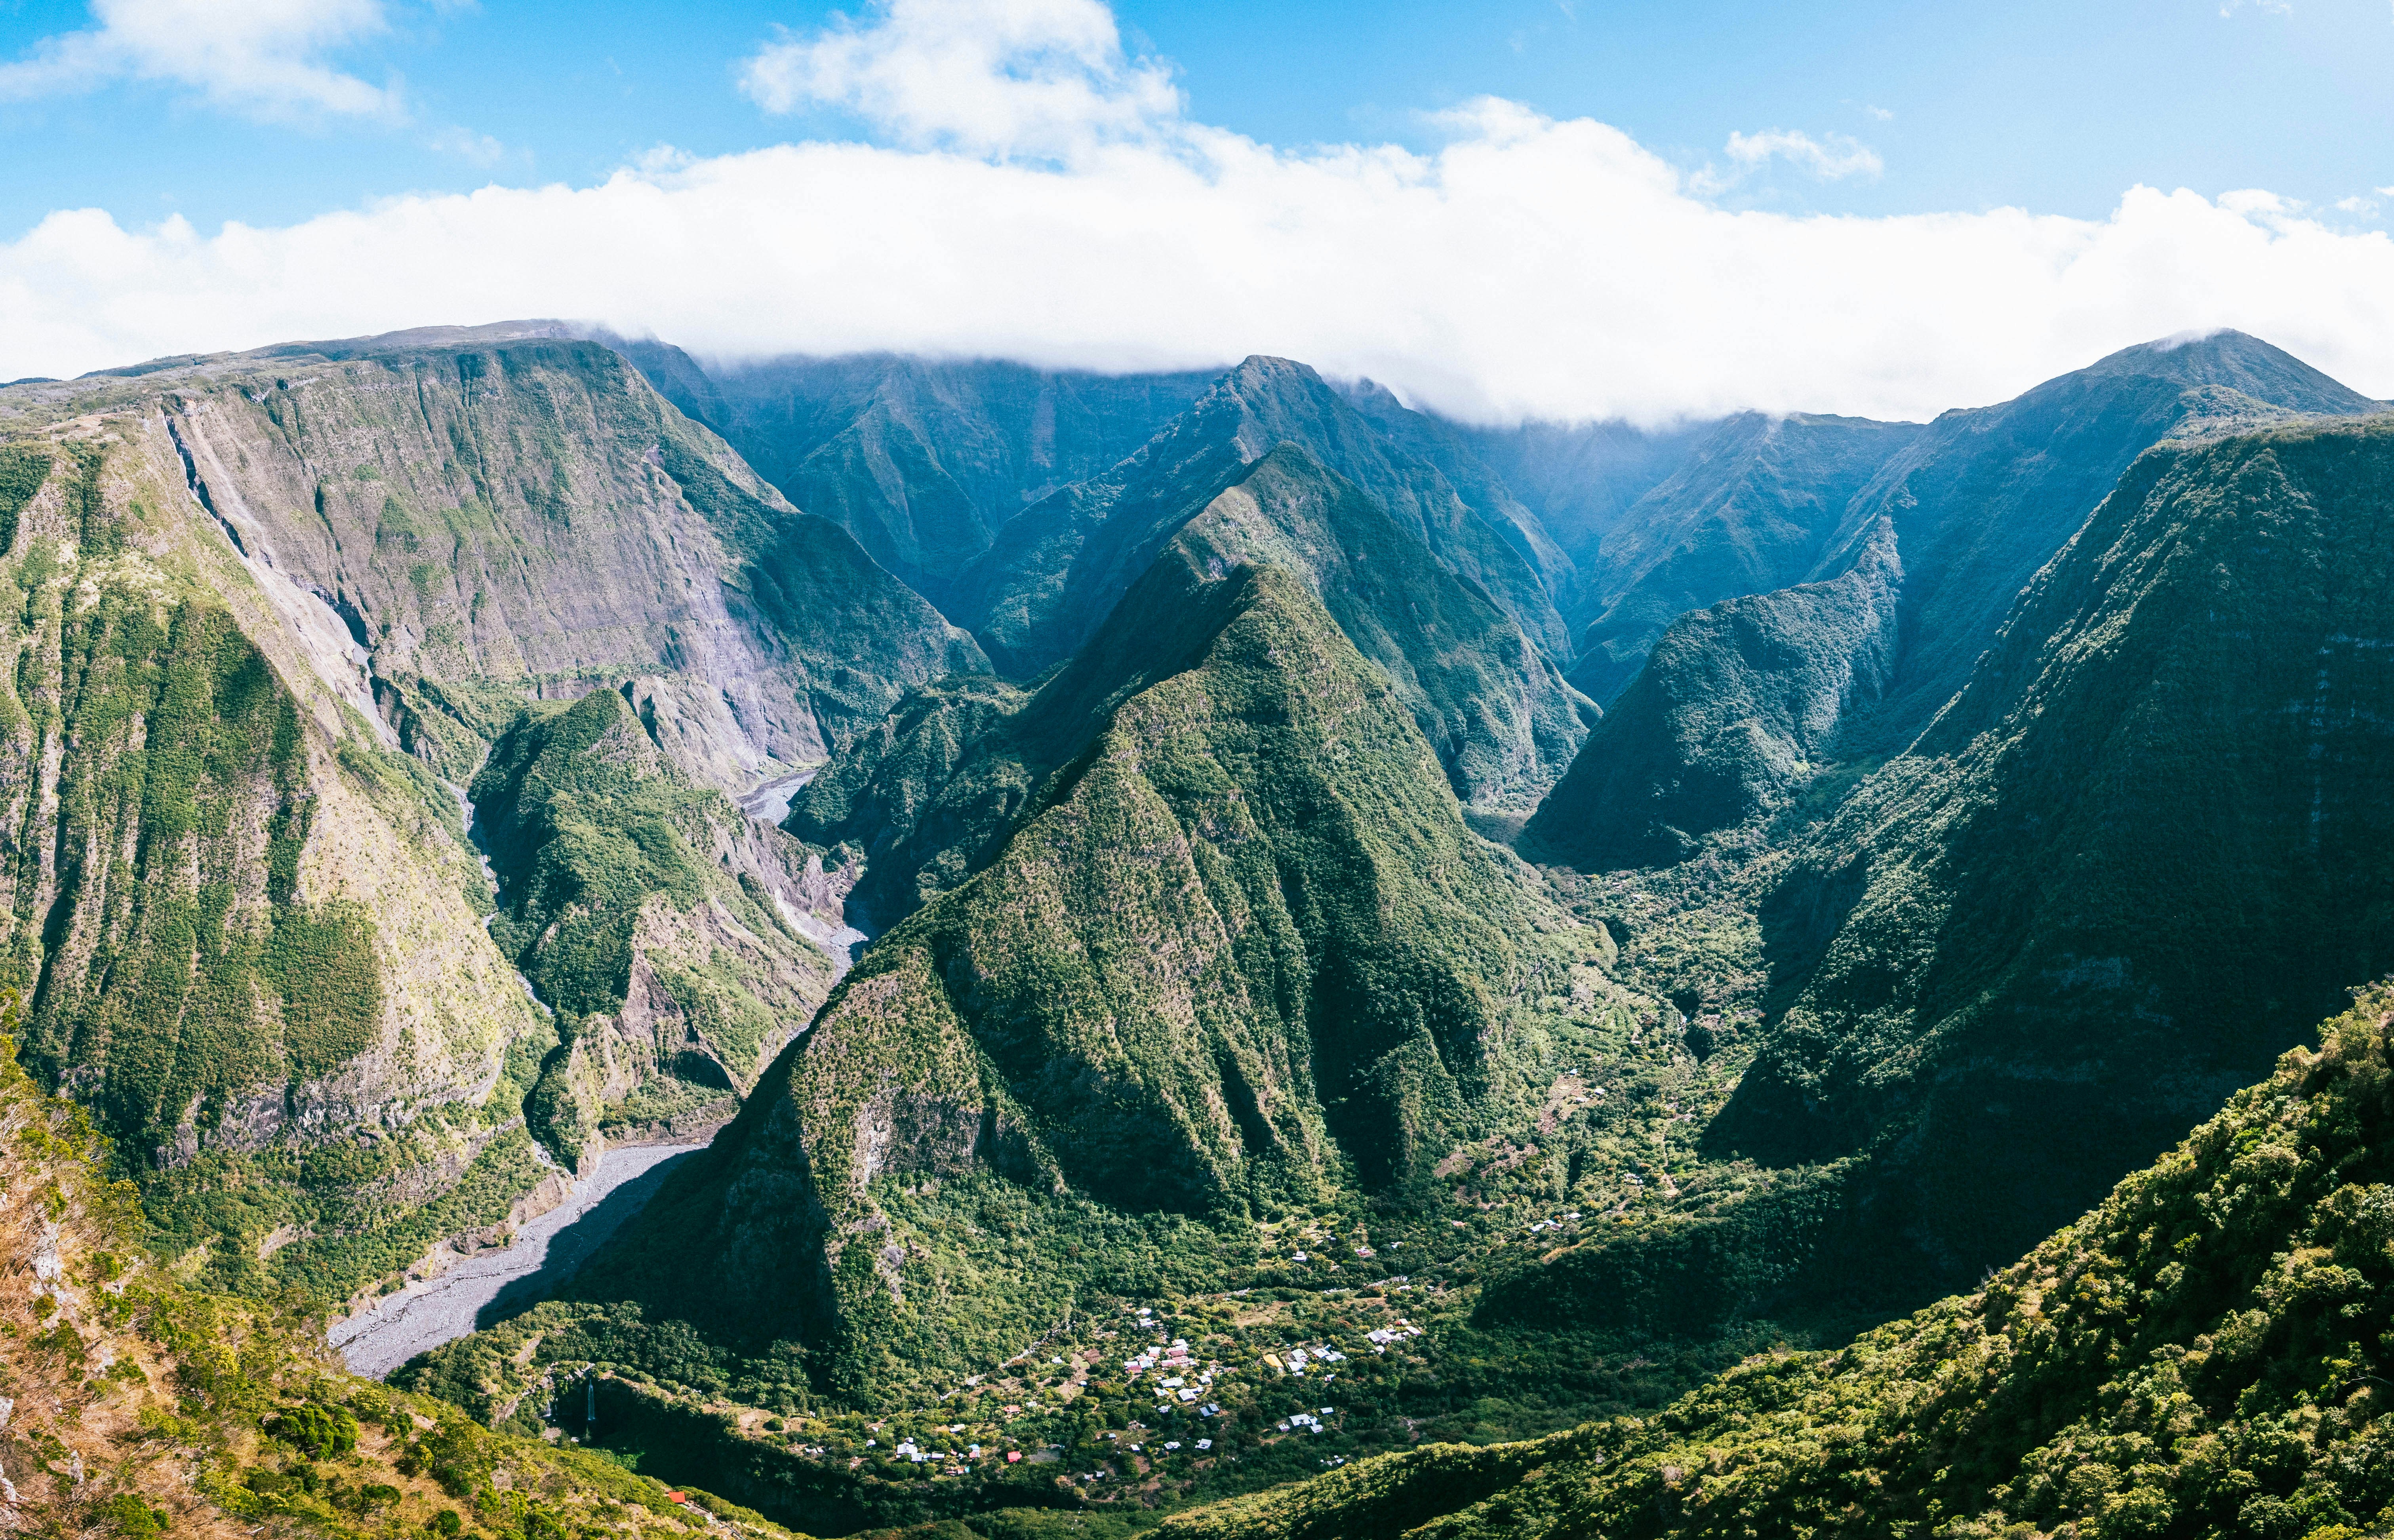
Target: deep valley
{"type": "Point", "coordinates": [1218, 954]}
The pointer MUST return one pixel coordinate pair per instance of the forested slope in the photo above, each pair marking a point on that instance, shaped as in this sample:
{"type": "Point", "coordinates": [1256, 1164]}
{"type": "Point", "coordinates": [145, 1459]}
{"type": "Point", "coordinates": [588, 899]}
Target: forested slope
{"type": "Point", "coordinates": [2205, 1352]}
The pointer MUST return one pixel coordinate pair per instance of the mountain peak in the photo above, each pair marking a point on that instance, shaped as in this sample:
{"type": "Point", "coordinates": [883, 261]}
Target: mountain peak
{"type": "Point", "coordinates": [2238, 361]}
{"type": "Point", "coordinates": [1263, 371]}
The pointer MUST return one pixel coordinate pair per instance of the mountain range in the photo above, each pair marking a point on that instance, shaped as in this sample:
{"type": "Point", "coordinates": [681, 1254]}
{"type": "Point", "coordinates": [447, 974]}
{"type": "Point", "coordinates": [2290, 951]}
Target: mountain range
{"type": "Point", "coordinates": [1230, 849]}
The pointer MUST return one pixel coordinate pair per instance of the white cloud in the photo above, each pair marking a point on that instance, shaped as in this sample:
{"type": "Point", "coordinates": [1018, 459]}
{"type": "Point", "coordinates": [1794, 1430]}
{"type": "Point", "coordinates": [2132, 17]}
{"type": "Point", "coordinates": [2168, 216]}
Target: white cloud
{"type": "Point", "coordinates": [1529, 267]}
{"type": "Point", "coordinates": [1004, 77]}
{"type": "Point", "coordinates": [1832, 157]}
{"type": "Point", "coordinates": [1882, 114]}
{"type": "Point", "coordinates": [468, 146]}
{"type": "Point", "coordinates": [260, 58]}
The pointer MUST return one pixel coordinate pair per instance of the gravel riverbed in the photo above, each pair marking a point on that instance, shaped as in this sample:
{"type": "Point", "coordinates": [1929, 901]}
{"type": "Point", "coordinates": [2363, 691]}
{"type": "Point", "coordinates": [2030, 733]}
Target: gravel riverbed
{"type": "Point", "coordinates": [546, 1251]}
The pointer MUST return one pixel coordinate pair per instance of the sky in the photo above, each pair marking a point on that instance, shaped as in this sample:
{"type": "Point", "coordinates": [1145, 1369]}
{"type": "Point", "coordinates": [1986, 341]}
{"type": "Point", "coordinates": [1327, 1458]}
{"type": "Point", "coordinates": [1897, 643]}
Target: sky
{"type": "Point", "coordinates": [1553, 208]}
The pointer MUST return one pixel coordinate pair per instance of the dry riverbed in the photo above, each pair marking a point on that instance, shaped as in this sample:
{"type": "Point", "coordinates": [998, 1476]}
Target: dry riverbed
{"type": "Point", "coordinates": [546, 1251]}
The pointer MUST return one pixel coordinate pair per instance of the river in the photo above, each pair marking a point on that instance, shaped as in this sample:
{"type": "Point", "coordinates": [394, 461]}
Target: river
{"type": "Point", "coordinates": [545, 1253]}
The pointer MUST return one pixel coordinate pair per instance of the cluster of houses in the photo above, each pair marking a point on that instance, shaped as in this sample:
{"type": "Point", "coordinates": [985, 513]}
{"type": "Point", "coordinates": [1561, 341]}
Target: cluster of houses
{"type": "Point", "coordinates": [1301, 1358]}
{"type": "Point", "coordinates": [1185, 1382]}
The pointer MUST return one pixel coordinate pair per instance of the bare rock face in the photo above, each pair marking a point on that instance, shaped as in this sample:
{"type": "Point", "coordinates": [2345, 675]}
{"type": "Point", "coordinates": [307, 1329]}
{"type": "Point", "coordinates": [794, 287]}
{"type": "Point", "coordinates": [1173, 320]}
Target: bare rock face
{"type": "Point", "coordinates": [529, 516]}
{"type": "Point", "coordinates": [236, 926]}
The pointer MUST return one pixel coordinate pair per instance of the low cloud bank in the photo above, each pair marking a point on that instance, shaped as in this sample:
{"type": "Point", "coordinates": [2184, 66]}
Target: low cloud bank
{"type": "Point", "coordinates": [1037, 195]}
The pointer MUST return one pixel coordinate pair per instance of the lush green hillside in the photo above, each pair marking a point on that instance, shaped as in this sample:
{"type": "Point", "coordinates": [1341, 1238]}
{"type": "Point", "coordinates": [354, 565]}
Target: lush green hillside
{"type": "Point", "coordinates": [139, 1407]}
{"type": "Point", "coordinates": [1975, 503]}
{"type": "Point", "coordinates": [921, 461]}
{"type": "Point", "coordinates": [1454, 450]}
{"type": "Point", "coordinates": [1727, 721]}
{"type": "Point", "coordinates": [925, 799]}
{"type": "Point", "coordinates": [245, 930]}
{"type": "Point", "coordinates": [1055, 571]}
{"type": "Point", "coordinates": [2099, 893]}
{"type": "Point", "coordinates": [1473, 658]}
{"type": "Point", "coordinates": [2206, 1352]}
{"type": "Point", "coordinates": [1983, 498]}
{"type": "Point", "coordinates": [1747, 511]}
{"type": "Point", "coordinates": [660, 924]}
{"type": "Point", "coordinates": [1240, 950]}
{"type": "Point", "coordinates": [2158, 806]}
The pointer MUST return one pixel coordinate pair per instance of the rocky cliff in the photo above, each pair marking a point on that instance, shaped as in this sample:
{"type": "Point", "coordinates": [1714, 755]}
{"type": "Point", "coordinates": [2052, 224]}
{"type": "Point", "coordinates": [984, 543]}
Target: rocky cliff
{"type": "Point", "coordinates": [244, 928]}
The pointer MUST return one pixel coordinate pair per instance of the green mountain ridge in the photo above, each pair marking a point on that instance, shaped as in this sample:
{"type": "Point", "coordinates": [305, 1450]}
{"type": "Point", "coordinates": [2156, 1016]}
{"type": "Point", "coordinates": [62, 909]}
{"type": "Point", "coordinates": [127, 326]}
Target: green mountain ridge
{"type": "Point", "coordinates": [245, 930]}
{"type": "Point", "coordinates": [275, 993]}
{"type": "Point", "coordinates": [1736, 710]}
{"type": "Point", "coordinates": [1241, 948]}
{"type": "Point", "coordinates": [1982, 801]}
{"type": "Point", "coordinates": [2099, 891]}
{"type": "Point", "coordinates": [925, 801]}
{"type": "Point", "coordinates": [1982, 499]}
{"type": "Point", "coordinates": [1056, 570]}
{"type": "Point", "coordinates": [921, 461]}
{"type": "Point", "coordinates": [1748, 511]}
{"type": "Point", "coordinates": [1975, 503]}
{"type": "Point", "coordinates": [652, 917]}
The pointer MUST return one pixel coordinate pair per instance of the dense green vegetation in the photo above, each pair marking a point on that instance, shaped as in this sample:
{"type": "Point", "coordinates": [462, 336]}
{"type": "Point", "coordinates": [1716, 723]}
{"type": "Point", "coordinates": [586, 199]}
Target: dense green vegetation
{"type": "Point", "coordinates": [140, 1406]}
{"type": "Point", "coordinates": [172, 964]}
{"type": "Point", "coordinates": [2105, 885]}
{"type": "Point", "coordinates": [923, 797]}
{"type": "Point", "coordinates": [920, 461]}
{"type": "Point", "coordinates": [618, 878]}
{"type": "Point", "coordinates": [23, 468]}
{"type": "Point", "coordinates": [1730, 718]}
{"type": "Point", "coordinates": [1202, 1020]}
{"type": "Point", "coordinates": [926, 799]}
{"type": "Point", "coordinates": [2206, 1352]}
{"type": "Point", "coordinates": [1747, 511]}
{"type": "Point", "coordinates": [1303, 974]}
{"type": "Point", "coordinates": [1982, 499]}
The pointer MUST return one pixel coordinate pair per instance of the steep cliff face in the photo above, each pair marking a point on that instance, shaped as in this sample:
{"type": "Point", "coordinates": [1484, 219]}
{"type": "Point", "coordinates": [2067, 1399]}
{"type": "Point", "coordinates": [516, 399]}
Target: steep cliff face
{"type": "Point", "coordinates": [1579, 480]}
{"type": "Point", "coordinates": [925, 801]}
{"type": "Point", "coordinates": [243, 929]}
{"type": "Point", "coordinates": [1982, 498]}
{"type": "Point", "coordinates": [2106, 884]}
{"type": "Point", "coordinates": [266, 603]}
{"type": "Point", "coordinates": [1455, 453]}
{"type": "Point", "coordinates": [920, 460]}
{"type": "Point", "coordinates": [1055, 571]}
{"type": "Point", "coordinates": [1748, 511]}
{"type": "Point", "coordinates": [1966, 509]}
{"type": "Point", "coordinates": [1727, 720]}
{"type": "Point", "coordinates": [526, 515]}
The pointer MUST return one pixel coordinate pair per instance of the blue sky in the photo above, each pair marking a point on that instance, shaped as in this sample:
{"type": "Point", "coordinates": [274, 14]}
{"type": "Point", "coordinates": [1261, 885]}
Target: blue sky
{"type": "Point", "coordinates": [1542, 207]}
{"type": "Point", "coordinates": [2055, 108]}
